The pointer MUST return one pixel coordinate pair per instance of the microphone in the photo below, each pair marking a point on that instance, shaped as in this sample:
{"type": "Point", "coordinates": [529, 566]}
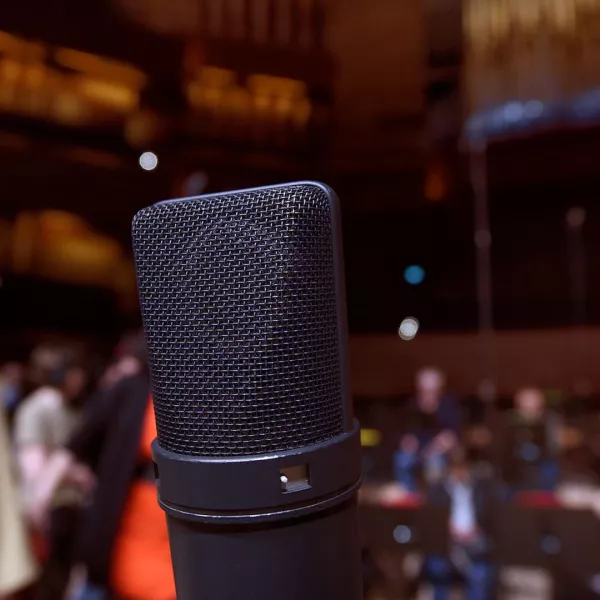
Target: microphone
{"type": "Point", "coordinates": [258, 457]}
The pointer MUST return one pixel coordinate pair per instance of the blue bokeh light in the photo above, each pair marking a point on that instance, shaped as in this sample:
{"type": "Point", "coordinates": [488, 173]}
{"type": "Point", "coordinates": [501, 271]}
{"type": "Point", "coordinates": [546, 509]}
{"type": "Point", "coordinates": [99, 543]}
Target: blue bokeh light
{"type": "Point", "coordinates": [414, 274]}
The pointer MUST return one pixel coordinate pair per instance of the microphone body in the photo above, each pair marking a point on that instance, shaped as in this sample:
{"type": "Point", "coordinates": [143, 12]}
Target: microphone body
{"type": "Point", "coordinates": [305, 557]}
{"type": "Point", "coordinates": [258, 457]}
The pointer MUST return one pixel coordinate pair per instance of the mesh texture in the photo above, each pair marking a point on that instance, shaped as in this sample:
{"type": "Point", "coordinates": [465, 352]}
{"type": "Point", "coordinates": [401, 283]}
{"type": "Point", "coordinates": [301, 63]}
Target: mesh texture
{"type": "Point", "coordinates": [238, 299]}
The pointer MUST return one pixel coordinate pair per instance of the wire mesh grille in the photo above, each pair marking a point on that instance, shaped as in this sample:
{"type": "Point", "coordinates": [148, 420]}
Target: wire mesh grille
{"type": "Point", "coordinates": [238, 298]}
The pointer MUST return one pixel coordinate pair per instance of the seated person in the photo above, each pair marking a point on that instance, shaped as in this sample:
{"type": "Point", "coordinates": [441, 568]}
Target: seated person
{"type": "Point", "coordinates": [529, 444]}
{"type": "Point", "coordinates": [470, 500]}
{"type": "Point", "coordinates": [431, 428]}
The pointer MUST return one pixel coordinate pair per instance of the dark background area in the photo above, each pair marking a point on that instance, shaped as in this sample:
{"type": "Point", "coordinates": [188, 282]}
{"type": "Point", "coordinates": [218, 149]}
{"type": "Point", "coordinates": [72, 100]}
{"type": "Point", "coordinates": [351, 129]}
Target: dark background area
{"type": "Point", "coordinates": [382, 167]}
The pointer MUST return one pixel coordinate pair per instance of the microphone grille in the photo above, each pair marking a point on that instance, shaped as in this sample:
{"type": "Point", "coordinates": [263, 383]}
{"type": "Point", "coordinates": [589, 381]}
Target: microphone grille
{"type": "Point", "coordinates": [240, 306]}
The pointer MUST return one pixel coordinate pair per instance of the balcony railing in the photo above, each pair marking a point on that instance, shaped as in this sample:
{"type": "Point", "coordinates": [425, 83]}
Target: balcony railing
{"type": "Point", "coordinates": [290, 23]}
{"type": "Point", "coordinates": [241, 103]}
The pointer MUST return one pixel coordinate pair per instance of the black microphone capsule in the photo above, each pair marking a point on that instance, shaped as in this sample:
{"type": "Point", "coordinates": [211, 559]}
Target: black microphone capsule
{"type": "Point", "coordinates": [258, 455]}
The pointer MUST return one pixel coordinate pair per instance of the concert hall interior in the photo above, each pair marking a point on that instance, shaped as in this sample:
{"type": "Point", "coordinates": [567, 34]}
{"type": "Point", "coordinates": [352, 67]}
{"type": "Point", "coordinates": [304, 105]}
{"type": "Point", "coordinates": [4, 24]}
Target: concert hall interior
{"type": "Point", "coordinates": [462, 138]}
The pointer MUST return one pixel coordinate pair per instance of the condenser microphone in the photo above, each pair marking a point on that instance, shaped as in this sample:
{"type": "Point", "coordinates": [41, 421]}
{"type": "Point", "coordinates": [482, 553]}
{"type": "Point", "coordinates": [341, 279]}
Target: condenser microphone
{"type": "Point", "coordinates": [257, 458]}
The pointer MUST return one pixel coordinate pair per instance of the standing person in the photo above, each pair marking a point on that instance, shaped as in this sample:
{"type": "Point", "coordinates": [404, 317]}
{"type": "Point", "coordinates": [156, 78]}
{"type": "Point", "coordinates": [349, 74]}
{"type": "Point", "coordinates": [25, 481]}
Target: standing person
{"type": "Point", "coordinates": [44, 423]}
{"type": "Point", "coordinates": [17, 566]}
{"type": "Point", "coordinates": [529, 443]}
{"type": "Point", "coordinates": [431, 429]}
{"type": "Point", "coordinates": [124, 542]}
{"type": "Point", "coordinates": [470, 500]}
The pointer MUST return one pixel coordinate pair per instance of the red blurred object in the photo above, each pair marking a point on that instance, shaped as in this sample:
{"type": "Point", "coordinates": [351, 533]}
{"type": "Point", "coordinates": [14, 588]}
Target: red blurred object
{"type": "Point", "coordinates": [407, 500]}
{"type": "Point", "coordinates": [538, 500]}
{"type": "Point", "coordinates": [39, 546]}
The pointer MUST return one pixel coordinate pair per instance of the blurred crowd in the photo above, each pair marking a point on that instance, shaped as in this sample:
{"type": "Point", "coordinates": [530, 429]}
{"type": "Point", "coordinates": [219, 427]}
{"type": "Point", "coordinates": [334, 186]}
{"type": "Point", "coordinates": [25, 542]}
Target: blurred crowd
{"type": "Point", "coordinates": [527, 454]}
{"type": "Point", "coordinates": [523, 443]}
{"type": "Point", "coordinates": [78, 511]}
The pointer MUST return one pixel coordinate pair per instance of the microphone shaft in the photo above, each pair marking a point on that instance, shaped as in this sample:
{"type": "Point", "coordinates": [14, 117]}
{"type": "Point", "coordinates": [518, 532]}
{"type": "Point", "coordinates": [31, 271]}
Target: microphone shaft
{"type": "Point", "coordinates": [305, 558]}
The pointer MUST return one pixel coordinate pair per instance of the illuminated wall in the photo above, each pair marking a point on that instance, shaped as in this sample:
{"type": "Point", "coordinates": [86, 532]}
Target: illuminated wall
{"type": "Point", "coordinates": [280, 22]}
{"type": "Point", "coordinates": [61, 246]}
{"type": "Point", "coordinates": [64, 85]}
{"type": "Point", "coordinates": [79, 89]}
{"type": "Point", "coordinates": [218, 92]}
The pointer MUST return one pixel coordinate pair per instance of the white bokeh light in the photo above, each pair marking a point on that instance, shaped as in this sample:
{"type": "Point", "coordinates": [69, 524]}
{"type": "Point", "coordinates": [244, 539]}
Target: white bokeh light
{"type": "Point", "coordinates": [408, 328]}
{"type": "Point", "coordinates": [148, 161]}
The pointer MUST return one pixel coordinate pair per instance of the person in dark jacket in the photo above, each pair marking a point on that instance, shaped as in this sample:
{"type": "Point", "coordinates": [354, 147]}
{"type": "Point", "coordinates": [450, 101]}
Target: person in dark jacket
{"type": "Point", "coordinates": [431, 430]}
{"type": "Point", "coordinates": [471, 501]}
{"type": "Point", "coordinates": [110, 439]}
{"type": "Point", "coordinates": [528, 442]}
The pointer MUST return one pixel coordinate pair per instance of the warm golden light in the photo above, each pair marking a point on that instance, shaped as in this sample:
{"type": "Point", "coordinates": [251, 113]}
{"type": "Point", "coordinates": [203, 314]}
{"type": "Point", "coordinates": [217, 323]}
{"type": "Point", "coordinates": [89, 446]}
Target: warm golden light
{"type": "Point", "coordinates": [216, 77]}
{"type": "Point", "coordinates": [240, 101]}
{"type": "Point", "coordinates": [97, 90]}
{"type": "Point", "coordinates": [100, 90]}
{"type": "Point", "coordinates": [23, 49]}
{"type": "Point", "coordinates": [10, 70]}
{"type": "Point", "coordinates": [119, 97]}
{"type": "Point", "coordinates": [301, 112]}
{"type": "Point", "coordinates": [277, 85]}
{"type": "Point", "coordinates": [61, 246]}
{"type": "Point", "coordinates": [530, 49]}
{"type": "Point", "coordinates": [262, 103]}
{"type": "Point", "coordinates": [106, 68]}
{"type": "Point", "coordinates": [266, 97]}
{"type": "Point", "coordinates": [67, 108]}
{"type": "Point", "coordinates": [10, 43]}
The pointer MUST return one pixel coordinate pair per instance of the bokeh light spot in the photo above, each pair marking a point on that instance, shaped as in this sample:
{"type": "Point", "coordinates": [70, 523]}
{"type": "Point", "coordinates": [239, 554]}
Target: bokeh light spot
{"type": "Point", "coordinates": [148, 161]}
{"type": "Point", "coordinates": [408, 328]}
{"type": "Point", "coordinates": [414, 274]}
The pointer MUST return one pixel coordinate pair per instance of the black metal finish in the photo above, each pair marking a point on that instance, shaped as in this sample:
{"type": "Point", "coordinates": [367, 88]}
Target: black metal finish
{"type": "Point", "coordinates": [258, 455]}
{"type": "Point", "coordinates": [244, 312]}
{"type": "Point", "coordinates": [241, 486]}
{"type": "Point", "coordinates": [314, 558]}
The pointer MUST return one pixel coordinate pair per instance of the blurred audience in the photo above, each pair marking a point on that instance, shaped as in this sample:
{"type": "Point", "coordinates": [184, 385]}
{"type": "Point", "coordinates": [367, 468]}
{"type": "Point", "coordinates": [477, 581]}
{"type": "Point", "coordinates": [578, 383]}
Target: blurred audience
{"type": "Point", "coordinates": [87, 481]}
{"type": "Point", "coordinates": [468, 464]}
{"type": "Point", "coordinates": [17, 565]}
{"type": "Point", "coordinates": [44, 422]}
{"type": "Point", "coordinates": [530, 442]}
{"type": "Point", "coordinates": [124, 541]}
{"type": "Point", "coordinates": [431, 430]}
{"type": "Point", "coordinates": [470, 501]}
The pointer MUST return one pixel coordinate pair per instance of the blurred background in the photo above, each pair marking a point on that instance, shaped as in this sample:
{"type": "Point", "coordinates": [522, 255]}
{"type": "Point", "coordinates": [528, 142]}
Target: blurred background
{"type": "Point", "coordinates": [463, 139]}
